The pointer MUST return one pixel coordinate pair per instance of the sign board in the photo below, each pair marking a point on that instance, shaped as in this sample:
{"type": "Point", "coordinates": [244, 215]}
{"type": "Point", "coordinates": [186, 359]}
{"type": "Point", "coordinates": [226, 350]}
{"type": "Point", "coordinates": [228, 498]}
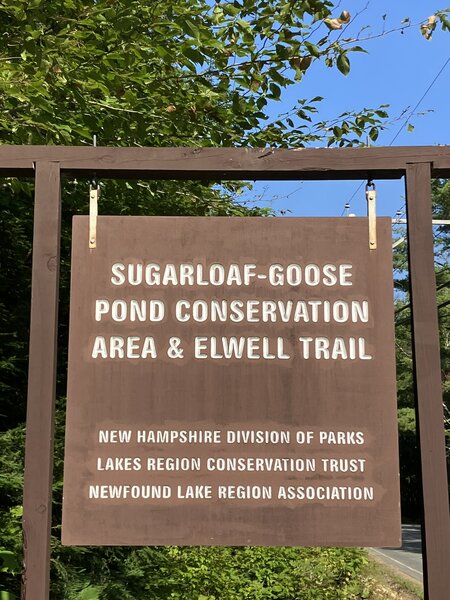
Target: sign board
{"type": "Point", "coordinates": [231, 382]}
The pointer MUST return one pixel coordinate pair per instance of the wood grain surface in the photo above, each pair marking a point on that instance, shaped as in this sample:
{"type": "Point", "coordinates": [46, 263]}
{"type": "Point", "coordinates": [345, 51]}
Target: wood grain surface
{"type": "Point", "coordinates": [277, 394]}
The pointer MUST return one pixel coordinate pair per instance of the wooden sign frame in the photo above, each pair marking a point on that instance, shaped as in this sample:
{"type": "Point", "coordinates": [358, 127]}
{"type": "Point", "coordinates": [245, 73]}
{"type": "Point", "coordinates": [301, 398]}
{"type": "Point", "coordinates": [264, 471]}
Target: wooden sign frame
{"type": "Point", "coordinates": [46, 164]}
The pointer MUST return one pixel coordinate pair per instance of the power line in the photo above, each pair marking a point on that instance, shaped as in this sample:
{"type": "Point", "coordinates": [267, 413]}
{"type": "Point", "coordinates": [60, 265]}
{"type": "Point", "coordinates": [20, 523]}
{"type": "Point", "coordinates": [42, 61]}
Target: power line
{"type": "Point", "coordinates": [421, 100]}
{"type": "Point", "coordinates": [424, 95]}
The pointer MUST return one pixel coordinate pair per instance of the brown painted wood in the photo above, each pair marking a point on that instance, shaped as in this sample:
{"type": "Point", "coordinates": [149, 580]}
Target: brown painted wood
{"type": "Point", "coordinates": [41, 383]}
{"type": "Point", "coordinates": [263, 392]}
{"type": "Point", "coordinates": [228, 163]}
{"type": "Point", "coordinates": [427, 379]}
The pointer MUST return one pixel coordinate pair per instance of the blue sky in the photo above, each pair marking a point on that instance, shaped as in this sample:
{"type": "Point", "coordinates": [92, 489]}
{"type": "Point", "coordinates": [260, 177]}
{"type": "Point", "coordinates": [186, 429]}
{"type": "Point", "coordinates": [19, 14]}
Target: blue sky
{"type": "Point", "coordinates": [397, 70]}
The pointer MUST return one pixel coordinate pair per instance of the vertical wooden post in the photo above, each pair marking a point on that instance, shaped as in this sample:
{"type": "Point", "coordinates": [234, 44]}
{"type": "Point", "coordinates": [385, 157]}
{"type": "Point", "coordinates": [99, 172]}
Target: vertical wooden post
{"type": "Point", "coordinates": [37, 502]}
{"type": "Point", "coordinates": [427, 382]}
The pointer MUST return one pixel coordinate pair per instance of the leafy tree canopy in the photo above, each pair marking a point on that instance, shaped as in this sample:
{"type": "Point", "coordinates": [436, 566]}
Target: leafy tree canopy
{"type": "Point", "coordinates": [171, 72]}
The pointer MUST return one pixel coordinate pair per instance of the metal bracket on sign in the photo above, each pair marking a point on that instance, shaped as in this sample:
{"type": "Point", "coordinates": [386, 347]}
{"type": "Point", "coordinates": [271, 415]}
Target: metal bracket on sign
{"type": "Point", "coordinates": [371, 196]}
{"type": "Point", "coordinates": [94, 194]}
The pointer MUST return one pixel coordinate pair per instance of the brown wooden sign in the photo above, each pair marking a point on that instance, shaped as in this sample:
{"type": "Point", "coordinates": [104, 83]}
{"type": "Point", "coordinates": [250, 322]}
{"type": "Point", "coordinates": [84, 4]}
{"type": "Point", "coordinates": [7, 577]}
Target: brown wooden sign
{"type": "Point", "coordinates": [231, 381]}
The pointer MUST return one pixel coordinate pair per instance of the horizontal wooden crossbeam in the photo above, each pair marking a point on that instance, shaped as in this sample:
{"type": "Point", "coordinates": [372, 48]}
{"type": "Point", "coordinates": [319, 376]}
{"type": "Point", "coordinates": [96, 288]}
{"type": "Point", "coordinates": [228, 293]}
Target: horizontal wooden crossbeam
{"type": "Point", "coordinates": [227, 163]}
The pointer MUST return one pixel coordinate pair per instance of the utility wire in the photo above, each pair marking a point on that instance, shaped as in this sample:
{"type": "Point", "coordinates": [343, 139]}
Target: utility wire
{"type": "Point", "coordinates": [421, 100]}
{"type": "Point", "coordinates": [424, 95]}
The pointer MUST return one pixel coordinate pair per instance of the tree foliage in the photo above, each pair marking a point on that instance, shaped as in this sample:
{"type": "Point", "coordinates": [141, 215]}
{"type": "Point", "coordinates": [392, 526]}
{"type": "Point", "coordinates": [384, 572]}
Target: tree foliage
{"type": "Point", "coordinates": [170, 72]}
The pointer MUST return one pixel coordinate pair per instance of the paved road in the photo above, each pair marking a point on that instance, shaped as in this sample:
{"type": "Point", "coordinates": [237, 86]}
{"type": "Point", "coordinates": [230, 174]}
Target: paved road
{"type": "Point", "coordinates": [408, 558]}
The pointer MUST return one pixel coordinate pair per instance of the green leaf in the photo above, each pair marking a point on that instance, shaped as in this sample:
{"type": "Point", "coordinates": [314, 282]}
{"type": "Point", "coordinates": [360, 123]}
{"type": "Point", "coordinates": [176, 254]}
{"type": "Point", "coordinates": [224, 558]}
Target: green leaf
{"type": "Point", "coordinates": [373, 134]}
{"type": "Point", "coordinates": [283, 52]}
{"type": "Point", "coordinates": [90, 593]}
{"type": "Point", "coordinates": [298, 74]}
{"type": "Point", "coordinates": [275, 91]}
{"type": "Point", "coordinates": [230, 9]}
{"type": "Point", "coordinates": [410, 128]}
{"type": "Point", "coordinates": [343, 64]}
{"type": "Point", "coordinates": [236, 103]}
{"type": "Point", "coordinates": [193, 55]}
{"type": "Point", "coordinates": [191, 29]}
{"type": "Point", "coordinates": [217, 14]}
{"type": "Point", "coordinates": [312, 49]}
{"type": "Point", "coordinates": [9, 562]}
{"type": "Point", "coordinates": [357, 49]}
{"type": "Point", "coordinates": [244, 24]}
